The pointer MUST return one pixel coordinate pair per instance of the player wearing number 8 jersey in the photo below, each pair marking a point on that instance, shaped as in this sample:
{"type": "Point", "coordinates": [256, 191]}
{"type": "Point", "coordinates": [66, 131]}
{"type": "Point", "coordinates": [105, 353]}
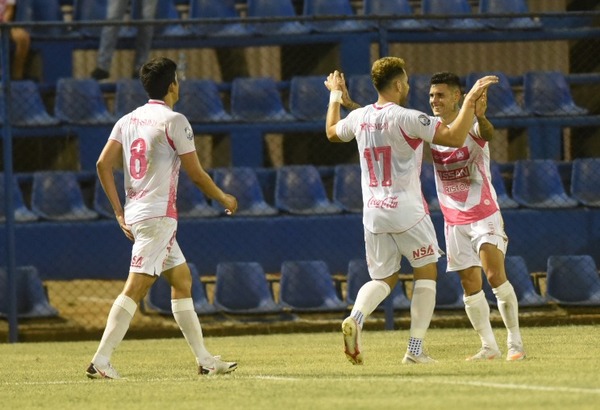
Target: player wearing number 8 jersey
{"type": "Point", "coordinates": [151, 143]}
{"type": "Point", "coordinates": [396, 221]}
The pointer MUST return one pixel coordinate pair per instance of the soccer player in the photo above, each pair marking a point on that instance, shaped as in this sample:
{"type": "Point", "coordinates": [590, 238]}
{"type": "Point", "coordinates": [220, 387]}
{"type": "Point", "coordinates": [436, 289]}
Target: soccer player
{"type": "Point", "coordinates": [396, 220]}
{"type": "Point", "coordinates": [152, 142]}
{"type": "Point", "coordinates": [474, 229]}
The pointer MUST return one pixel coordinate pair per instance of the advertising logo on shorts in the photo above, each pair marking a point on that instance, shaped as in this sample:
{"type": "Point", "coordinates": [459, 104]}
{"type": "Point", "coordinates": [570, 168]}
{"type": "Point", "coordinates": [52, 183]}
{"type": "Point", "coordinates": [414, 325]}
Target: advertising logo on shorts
{"type": "Point", "coordinates": [189, 133]}
{"type": "Point", "coordinates": [424, 119]}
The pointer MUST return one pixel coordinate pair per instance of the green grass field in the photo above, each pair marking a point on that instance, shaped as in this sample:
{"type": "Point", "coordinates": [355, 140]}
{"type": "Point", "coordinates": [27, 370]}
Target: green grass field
{"type": "Point", "coordinates": [309, 371]}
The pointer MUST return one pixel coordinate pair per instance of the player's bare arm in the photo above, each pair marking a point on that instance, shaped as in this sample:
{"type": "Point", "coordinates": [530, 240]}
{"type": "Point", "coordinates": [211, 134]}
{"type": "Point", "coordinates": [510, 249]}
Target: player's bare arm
{"type": "Point", "coordinates": [333, 83]}
{"type": "Point", "coordinates": [109, 160]}
{"type": "Point", "coordinates": [455, 135]}
{"type": "Point", "coordinates": [191, 165]}
{"type": "Point", "coordinates": [347, 102]}
{"type": "Point", "coordinates": [486, 129]}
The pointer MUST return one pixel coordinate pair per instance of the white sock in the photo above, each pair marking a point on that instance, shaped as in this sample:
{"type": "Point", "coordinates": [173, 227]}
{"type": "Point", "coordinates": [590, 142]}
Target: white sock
{"type": "Point", "coordinates": [117, 324]}
{"type": "Point", "coordinates": [187, 319]}
{"type": "Point", "coordinates": [509, 310]}
{"type": "Point", "coordinates": [478, 312]}
{"type": "Point", "coordinates": [421, 307]}
{"type": "Point", "coordinates": [370, 295]}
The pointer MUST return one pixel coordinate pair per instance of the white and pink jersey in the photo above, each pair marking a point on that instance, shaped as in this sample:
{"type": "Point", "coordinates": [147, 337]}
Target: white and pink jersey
{"type": "Point", "coordinates": [390, 145]}
{"type": "Point", "coordinates": [463, 181]}
{"type": "Point", "coordinates": [153, 136]}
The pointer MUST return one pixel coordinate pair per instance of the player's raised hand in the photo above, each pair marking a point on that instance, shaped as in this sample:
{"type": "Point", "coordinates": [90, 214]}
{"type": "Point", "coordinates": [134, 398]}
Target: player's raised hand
{"type": "Point", "coordinates": [335, 81]}
{"type": "Point", "coordinates": [480, 87]}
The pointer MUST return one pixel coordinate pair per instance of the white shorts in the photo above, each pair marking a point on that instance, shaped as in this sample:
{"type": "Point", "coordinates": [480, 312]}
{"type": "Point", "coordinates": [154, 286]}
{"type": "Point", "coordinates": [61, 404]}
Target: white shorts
{"type": "Point", "coordinates": [155, 248]}
{"type": "Point", "coordinates": [385, 250]}
{"type": "Point", "coordinates": [464, 241]}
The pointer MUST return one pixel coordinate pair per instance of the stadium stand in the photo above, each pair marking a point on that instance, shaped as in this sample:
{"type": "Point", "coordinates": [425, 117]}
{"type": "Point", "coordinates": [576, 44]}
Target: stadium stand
{"type": "Point", "coordinates": [308, 96]}
{"type": "Point", "coordinates": [547, 93]}
{"type": "Point", "coordinates": [358, 275]}
{"type": "Point", "coordinates": [322, 8]}
{"type": "Point", "coordinates": [401, 9]}
{"type": "Point", "coordinates": [257, 99]}
{"type": "Point", "coordinates": [508, 7]}
{"type": "Point", "coordinates": [191, 202]}
{"type": "Point", "coordinates": [21, 212]}
{"type": "Point", "coordinates": [347, 192]}
{"type": "Point", "coordinates": [537, 184]}
{"type": "Point", "coordinates": [449, 293]}
{"type": "Point", "coordinates": [275, 8]}
{"type": "Point", "coordinates": [218, 10]}
{"type": "Point", "coordinates": [451, 7]}
{"type": "Point", "coordinates": [101, 203]}
{"type": "Point", "coordinates": [242, 182]}
{"type": "Point", "coordinates": [129, 95]}
{"type": "Point", "coordinates": [504, 200]}
{"type": "Point", "coordinates": [501, 99]}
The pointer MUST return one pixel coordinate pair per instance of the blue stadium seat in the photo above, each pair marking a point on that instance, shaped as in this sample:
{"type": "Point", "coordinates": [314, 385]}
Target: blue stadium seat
{"type": "Point", "coordinates": [101, 203]}
{"type": "Point", "coordinates": [519, 277]}
{"type": "Point", "coordinates": [275, 8]}
{"type": "Point", "coordinates": [300, 190]}
{"type": "Point", "coordinates": [573, 280]}
{"type": "Point", "coordinates": [308, 97]}
{"type": "Point", "coordinates": [397, 8]}
{"type": "Point", "coordinates": [505, 201]}
{"type": "Point", "coordinates": [22, 213]}
{"type": "Point", "coordinates": [547, 93]}
{"type": "Point", "coordinates": [428, 186]}
{"type": "Point", "coordinates": [210, 9]}
{"type": "Point", "coordinates": [159, 296]}
{"type": "Point", "coordinates": [242, 287]}
{"type": "Point", "coordinates": [257, 99]}
{"type": "Point", "coordinates": [191, 202]}
{"type": "Point", "coordinates": [308, 286]}
{"type": "Point", "coordinates": [501, 100]}
{"type": "Point", "coordinates": [347, 191]}
{"type": "Point", "coordinates": [242, 182]}
{"type": "Point", "coordinates": [585, 181]}
{"type": "Point", "coordinates": [32, 301]}
{"type": "Point", "coordinates": [28, 109]}
{"type": "Point", "coordinates": [449, 293]}
{"type": "Point", "coordinates": [323, 8]}
{"type": "Point", "coordinates": [358, 275]}
{"type": "Point", "coordinates": [361, 89]}
{"type": "Point", "coordinates": [418, 95]}
{"type": "Point", "coordinates": [537, 184]}
{"type": "Point", "coordinates": [57, 196]}
{"type": "Point", "coordinates": [200, 102]}
{"type": "Point", "coordinates": [81, 102]}
{"type": "Point", "coordinates": [508, 7]}
{"type": "Point", "coordinates": [129, 95]}
{"type": "Point", "coordinates": [451, 7]}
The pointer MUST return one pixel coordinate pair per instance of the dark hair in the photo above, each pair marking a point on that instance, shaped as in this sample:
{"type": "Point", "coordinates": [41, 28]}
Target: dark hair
{"type": "Point", "coordinates": [385, 70]}
{"type": "Point", "coordinates": [447, 78]}
{"type": "Point", "coordinates": [157, 75]}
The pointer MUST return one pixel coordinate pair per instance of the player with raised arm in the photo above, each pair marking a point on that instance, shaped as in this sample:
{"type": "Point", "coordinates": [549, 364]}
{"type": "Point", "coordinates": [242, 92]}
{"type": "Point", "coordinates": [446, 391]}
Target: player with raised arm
{"type": "Point", "coordinates": [395, 217]}
{"type": "Point", "coordinates": [152, 142]}
{"type": "Point", "coordinates": [474, 228]}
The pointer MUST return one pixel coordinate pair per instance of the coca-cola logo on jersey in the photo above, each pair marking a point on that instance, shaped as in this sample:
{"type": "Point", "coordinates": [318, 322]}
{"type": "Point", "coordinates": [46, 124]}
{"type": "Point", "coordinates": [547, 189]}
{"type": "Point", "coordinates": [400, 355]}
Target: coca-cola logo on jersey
{"type": "Point", "coordinates": [390, 202]}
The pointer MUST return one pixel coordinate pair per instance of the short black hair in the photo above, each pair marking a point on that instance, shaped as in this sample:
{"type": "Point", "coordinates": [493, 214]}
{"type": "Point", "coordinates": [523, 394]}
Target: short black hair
{"type": "Point", "coordinates": [445, 77]}
{"type": "Point", "coordinates": [157, 75]}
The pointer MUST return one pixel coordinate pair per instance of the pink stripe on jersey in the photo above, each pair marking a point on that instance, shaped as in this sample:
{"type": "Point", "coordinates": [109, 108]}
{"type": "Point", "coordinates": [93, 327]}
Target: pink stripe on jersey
{"type": "Point", "coordinates": [414, 143]}
{"type": "Point", "coordinates": [169, 140]}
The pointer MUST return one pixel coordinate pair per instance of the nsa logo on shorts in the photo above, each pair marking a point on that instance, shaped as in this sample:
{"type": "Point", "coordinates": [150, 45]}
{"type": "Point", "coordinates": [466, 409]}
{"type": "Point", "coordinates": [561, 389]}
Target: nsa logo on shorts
{"type": "Point", "coordinates": [424, 119]}
{"type": "Point", "coordinates": [188, 133]}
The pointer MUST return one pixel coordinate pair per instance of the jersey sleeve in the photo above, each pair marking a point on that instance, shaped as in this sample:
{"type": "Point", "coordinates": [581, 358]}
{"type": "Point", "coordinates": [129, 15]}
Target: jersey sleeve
{"type": "Point", "coordinates": [344, 129]}
{"type": "Point", "coordinates": [418, 125]}
{"type": "Point", "coordinates": [180, 132]}
{"type": "Point", "coordinates": [116, 134]}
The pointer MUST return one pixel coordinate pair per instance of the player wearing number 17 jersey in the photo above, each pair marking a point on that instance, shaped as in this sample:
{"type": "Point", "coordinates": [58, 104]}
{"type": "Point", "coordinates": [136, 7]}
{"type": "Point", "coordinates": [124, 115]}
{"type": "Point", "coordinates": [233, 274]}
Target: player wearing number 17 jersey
{"type": "Point", "coordinates": [396, 222]}
{"type": "Point", "coordinates": [151, 143]}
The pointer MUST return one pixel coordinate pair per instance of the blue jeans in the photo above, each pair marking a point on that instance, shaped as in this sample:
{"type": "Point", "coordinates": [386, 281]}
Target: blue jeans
{"type": "Point", "coordinates": [108, 41]}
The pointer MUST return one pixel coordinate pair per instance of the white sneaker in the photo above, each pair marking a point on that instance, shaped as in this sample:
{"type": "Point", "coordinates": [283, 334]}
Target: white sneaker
{"type": "Point", "coordinates": [96, 372]}
{"type": "Point", "coordinates": [351, 332]}
{"type": "Point", "coordinates": [485, 353]}
{"type": "Point", "coordinates": [423, 358]}
{"type": "Point", "coordinates": [515, 352]}
{"type": "Point", "coordinates": [218, 367]}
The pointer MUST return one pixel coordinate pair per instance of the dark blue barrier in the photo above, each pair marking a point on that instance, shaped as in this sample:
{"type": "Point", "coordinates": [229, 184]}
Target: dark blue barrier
{"type": "Point", "coordinates": [99, 250]}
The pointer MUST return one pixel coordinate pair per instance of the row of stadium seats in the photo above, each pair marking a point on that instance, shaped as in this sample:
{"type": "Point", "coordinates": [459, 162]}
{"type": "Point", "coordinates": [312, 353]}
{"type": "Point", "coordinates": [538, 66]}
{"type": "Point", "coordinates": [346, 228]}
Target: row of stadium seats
{"type": "Point", "coordinates": [95, 10]}
{"type": "Point", "coordinates": [301, 190]}
{"type": "Point", "coordinates": [82, 102]}
{"type": "Point", "coordinates": [308, 285]}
